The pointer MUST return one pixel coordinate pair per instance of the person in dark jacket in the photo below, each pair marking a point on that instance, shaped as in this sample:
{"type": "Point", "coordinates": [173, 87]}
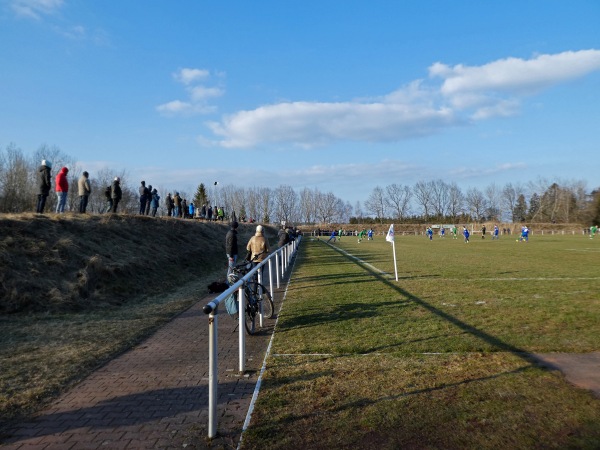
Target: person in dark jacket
{"type": "Point", "coordinates": [148, 199]}
{"type": "Point", "coordinates": [169, 204]}
{"type": "Point", "coordinates": [116, 194]}
{"type": "Point", "coordinates": [154, 202]}
{"type": "Point", "coordinates": [62, 190]}
{"type": "Point", "coordinates": [282, 237]}
{"type": "Point", "coordinates": [44, 184]}
{"type": "Point", "coordinates": [231, 247]}
{"type": "Point", "coordinates": [143, 191]}
{"type": "Point", "coordinates": [85, 189]}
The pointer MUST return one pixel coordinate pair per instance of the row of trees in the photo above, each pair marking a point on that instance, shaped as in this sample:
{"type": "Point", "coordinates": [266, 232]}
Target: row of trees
{"type": "Point", "coordinates": [423, 202]}
{"type": "Point", "coordinates": [438, 201]}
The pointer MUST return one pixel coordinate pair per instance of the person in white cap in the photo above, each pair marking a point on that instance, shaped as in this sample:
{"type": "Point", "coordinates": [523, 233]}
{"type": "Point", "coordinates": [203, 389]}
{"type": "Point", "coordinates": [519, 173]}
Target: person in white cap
{"type": "Point", "coordinates": [258, 246]}
{"type": "Point", "coordinates": [44, 184]}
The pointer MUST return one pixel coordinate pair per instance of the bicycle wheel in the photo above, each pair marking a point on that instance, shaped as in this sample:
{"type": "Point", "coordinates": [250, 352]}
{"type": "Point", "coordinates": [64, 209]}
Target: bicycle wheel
{"type": "Point", "coordinates": [250, 315]}
{"type": "Point", "coordinates": [264, 298]}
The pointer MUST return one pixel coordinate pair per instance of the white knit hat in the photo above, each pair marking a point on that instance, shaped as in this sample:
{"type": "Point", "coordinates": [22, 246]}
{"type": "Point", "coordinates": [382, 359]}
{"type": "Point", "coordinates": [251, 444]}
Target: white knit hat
{"type": "Point", "coordinates": [259, 229]}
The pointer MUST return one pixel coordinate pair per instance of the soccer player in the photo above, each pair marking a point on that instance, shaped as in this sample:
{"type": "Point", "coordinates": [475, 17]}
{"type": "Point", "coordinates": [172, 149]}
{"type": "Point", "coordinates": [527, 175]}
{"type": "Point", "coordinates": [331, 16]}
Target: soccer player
{"type": "Point", "coordinates": [333, 235]}
{"type": "Point", "coordinates": [454, 232]}
{"type": "Point", "coordinates": [361, 235]}
{"type": "Point", "coordinates": [593, 231]}
{"type": "Point", "coordinates": [430, 233]}
{"type": "Point", "coordinates": [443, 232]}
{"type": "Point", "coordinates": [466, 234]}
{"type": "Point", "coordinates": [496, 231]}
{"type": "Point", "coordinates": [370, 234]}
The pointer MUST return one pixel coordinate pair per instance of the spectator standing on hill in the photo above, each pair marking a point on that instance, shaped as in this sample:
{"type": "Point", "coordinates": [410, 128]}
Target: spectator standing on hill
{"type": "Point", "coordinates": [203, 212]}
{"type": "Point", "coordinates": [154, 202]}
{"type": "Point", "coordinates": [184, 209]}
{"type": "Point", "coordinates": [62, 189]}
{"type": "Point", "coordinates": [116, 194]}
{"type": "Point", "coordinates": [191, 210]}
{"type": "Point", "coordinates": [169, 203]}
{"type": "Point", "coordinates": [177, 204]}
{"type": "Point", "coordinates": [143, 191]}
{"type": "Point", "coordinates": [85, 189]}
{"type": "Point", "coordinates": [209, 213]}
{"type": "Point", "coordinates": [44, 185]}
{"type": "Point", "coordinates": [148, 199]}
{"type": "Point", "coordinates": [258, 246]}
{"type": "Point", "coordinates": [221, 214]}
{"type": "Point", "coordinates": [108, 195]}
{"type": "Point", "coordinates": [231, 247]}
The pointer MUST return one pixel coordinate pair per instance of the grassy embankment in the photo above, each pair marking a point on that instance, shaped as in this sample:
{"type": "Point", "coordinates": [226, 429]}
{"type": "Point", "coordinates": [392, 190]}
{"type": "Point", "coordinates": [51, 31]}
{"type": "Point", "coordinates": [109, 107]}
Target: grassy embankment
{"type": "Point", "coordinates": [77, 290]}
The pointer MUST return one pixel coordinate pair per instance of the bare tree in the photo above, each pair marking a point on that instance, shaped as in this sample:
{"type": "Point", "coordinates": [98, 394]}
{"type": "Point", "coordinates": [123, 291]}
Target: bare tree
{"type": "Point", "coordinates": [308, 209]}
{"type": "Point", "coordinates": [398, 199]}
{"type": "Point", "coordinates": [423, 192]}
{"type": "Point", "coordinates": [326, 205]}
{"type": "Point", "coordinates": [376, 204]}
{"type": "Point", "coordinates": [440, 197]}
{"type": "Point", "coordinates": [509, 198]}
{"type": "Point", "coordinates": [265, 204]}
{"type": "Point", "coordinates": [456, 201]}
{"type": "Point", "coordinates": [476, 203]}
{"type": "Point", "coordinates": [492, 194]}
{"type": "Point", "coordinates": [15, 191]}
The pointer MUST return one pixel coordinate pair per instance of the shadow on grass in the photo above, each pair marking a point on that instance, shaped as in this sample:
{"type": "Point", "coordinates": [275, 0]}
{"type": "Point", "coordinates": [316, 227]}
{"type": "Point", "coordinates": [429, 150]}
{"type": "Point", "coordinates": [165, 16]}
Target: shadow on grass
{"type": "Point", "coordinates": [341, 313]}
{"type": "Point", "coordinates": [499, 344]}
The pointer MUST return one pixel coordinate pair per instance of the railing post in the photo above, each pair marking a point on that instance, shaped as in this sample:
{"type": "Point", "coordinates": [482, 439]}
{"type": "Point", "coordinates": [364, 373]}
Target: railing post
{"type": "Point", "coordinates": [259, 290]}
{"type": "Point", "coordinates": [242, 329]}
{"type": "Point", "coordinates": [271, 278]}
{"type": "Point", "coordinates": [277, 266]}
{"type": "Point", "coordinates": [212, 373]}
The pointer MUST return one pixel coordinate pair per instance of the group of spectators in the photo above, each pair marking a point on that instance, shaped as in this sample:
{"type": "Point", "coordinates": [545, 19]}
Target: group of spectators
{"type": "Point", "coordinates": [149, 199]}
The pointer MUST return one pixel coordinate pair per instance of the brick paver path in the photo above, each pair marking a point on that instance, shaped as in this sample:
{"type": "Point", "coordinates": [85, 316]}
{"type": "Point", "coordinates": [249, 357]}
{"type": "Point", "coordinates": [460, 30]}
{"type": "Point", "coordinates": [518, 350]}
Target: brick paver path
{"type": "Point", "coordinates": [156, 394]}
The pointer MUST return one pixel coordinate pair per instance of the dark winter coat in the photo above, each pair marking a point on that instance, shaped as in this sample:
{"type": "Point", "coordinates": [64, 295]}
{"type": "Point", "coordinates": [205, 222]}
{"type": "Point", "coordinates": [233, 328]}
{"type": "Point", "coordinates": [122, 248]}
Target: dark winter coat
{"type": "Point", "coordinates": [231, 243]}
{"type": "Point", "coordinates": [44, 180]}
{"type": "Point", "coordinates": [116, 192]}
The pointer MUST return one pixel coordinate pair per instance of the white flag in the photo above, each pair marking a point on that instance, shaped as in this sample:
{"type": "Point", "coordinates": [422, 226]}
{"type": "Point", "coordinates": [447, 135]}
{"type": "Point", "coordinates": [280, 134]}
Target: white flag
{"type": "Point", "coordinates": [390, 234]}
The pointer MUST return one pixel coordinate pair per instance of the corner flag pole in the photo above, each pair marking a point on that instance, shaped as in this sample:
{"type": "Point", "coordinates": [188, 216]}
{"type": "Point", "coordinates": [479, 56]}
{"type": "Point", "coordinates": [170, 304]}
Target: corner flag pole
{"type": "Point", "coordinates": [390, 238]}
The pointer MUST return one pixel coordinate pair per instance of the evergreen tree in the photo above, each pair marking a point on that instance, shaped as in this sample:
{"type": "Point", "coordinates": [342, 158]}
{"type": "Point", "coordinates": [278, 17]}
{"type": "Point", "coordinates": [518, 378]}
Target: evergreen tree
{"type": "Point", "coordinates": [520, 211]}
{"type": "Point", "coordinates": [534, 206]}
{"type": "Point", "coordinates": [200, 196]}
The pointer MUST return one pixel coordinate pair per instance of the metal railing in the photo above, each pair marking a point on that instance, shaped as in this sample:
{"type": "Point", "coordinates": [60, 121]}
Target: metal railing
{"type": "Point", "coordinates": [285, 254]}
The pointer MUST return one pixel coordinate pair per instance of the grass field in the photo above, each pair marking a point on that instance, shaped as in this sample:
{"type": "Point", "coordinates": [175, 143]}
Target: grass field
{"type": "Point", "coordinates": [440, 358]}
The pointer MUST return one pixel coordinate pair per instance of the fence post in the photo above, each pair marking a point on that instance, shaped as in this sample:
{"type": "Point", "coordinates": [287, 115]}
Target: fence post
{"type": "Point", "coordinates": [212, 372]}
{"type": "Point", "coordinates": [277, 266]}
{"type": "Point", "coordinates": [271, 277]}
{"type": "Point", "coordinates": [242, 328]}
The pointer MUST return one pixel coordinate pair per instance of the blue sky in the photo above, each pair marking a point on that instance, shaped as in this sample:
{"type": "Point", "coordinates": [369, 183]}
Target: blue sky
{"type": "Point", "coordinates": [342, 96]}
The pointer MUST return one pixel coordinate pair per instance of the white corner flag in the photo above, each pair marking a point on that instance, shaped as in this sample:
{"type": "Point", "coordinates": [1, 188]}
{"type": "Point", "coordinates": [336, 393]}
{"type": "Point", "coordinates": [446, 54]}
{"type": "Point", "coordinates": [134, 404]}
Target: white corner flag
{"type": "Point", "coordinates": [390, 238]}
{"type": "Point", "coordinates": [390, 234]}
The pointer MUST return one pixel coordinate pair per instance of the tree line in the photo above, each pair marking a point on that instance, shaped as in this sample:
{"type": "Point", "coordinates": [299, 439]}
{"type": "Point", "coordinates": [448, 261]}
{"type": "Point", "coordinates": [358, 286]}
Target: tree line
{"type": "Point", "coordinates": [434, 201]}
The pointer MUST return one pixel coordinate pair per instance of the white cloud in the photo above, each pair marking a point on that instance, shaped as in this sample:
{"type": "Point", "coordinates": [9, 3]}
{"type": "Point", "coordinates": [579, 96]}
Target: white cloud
{"type": "Point", "coordinates": [516, 75]}
{"type": "Point", "coordinates": [309, 123]}
{"type": "Point", "coordinates": [187, 76]}
{"type": "Point", "coordinates": [35, 9]}
{"type": "Point", "coordinates": [465, 94]}
{"type": "Point", "coordinates": [177, 107]}
{"type": "Point", "coordinates": [199, 94]}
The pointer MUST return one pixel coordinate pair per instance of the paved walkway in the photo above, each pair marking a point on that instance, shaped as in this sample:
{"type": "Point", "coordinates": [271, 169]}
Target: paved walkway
{"type": "Point", "coordinates": [156, 394]}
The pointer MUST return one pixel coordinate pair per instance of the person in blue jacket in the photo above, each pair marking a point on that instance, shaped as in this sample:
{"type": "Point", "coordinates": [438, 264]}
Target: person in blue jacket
{"type": "Point", "coordinates": [466, 234]}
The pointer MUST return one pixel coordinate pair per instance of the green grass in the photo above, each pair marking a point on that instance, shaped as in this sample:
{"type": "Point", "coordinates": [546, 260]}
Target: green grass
{"type": "Point", "coordinates": [438, 359]}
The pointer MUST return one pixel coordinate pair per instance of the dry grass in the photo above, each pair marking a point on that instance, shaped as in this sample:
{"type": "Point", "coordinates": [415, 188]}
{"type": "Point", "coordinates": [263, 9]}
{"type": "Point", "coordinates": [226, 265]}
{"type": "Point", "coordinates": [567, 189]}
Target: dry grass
{"type": "Point", "coordinates": [77, 290]}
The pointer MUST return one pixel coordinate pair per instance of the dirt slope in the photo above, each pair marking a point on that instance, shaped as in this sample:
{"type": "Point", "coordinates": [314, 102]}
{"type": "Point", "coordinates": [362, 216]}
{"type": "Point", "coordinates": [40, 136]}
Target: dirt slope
{"type": "Point", "coordinates": [75, 262]}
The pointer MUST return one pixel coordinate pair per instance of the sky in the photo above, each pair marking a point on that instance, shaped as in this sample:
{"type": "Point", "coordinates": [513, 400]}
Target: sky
{"type": "Point", "coordinates": [339, 96]}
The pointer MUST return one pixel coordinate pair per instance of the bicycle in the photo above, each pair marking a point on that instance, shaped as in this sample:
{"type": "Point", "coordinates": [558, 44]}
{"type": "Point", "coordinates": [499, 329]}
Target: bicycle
{"type": "Point", "coordinates": [257, 296]}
